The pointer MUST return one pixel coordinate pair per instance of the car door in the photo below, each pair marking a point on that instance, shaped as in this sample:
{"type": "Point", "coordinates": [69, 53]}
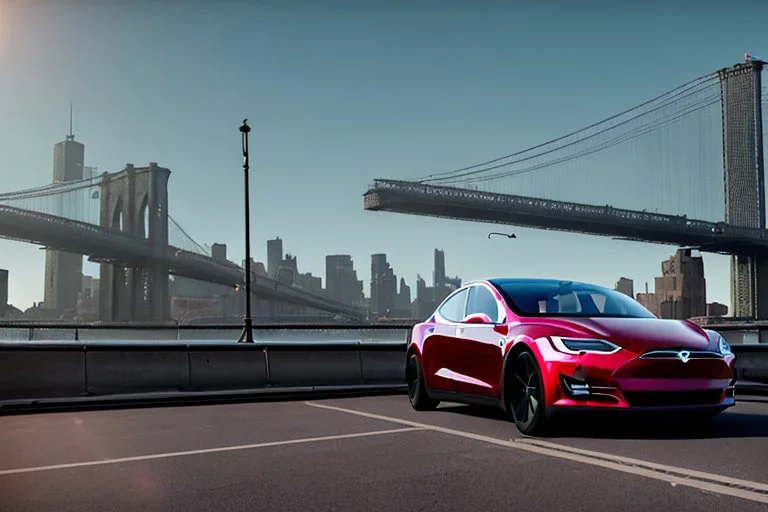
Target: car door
{"type": "Point", "coordinates": [440, 342]}
{"type": "Point", "coordinates": [479, 348]}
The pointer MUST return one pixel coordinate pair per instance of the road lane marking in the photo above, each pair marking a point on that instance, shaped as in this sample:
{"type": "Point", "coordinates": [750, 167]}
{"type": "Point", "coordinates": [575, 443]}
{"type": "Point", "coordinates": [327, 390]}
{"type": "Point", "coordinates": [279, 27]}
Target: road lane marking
{"type": "Point", "coordinates": [745, 489]}
{"type": "Point", "coordinates": [204, 451]}
{"type": "Point", "coordinates": [700, 475]}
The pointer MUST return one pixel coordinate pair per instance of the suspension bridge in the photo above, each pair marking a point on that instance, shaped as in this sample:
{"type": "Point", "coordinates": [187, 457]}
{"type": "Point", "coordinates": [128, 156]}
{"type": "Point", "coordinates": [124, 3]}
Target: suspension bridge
{"type": "Point", "coordinates": [121, 221]}
{"type": "Point", "coordinates": [683, 168]}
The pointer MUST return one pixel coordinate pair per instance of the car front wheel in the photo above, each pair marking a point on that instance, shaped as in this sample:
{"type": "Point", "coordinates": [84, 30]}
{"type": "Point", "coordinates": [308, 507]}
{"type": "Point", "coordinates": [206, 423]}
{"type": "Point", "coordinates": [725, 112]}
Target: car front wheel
{"type": "Point", "coordinates": [525, 396]}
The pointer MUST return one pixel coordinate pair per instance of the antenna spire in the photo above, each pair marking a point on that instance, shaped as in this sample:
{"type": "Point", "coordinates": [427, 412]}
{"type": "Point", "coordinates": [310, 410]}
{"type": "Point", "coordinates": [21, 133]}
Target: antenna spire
{"type": "Point", "coordinates": [71, 135]}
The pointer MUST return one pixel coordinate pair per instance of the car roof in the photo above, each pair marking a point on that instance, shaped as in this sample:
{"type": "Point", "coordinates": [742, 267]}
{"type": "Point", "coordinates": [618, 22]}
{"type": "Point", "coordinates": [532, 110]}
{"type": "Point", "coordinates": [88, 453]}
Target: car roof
{"type": "Point", "coordinates": [531, 280]}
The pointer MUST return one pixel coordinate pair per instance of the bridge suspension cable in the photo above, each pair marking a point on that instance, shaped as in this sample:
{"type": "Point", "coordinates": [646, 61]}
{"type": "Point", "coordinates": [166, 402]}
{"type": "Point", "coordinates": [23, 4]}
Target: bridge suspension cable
{"type": "Point", "coordinates": [664, 156]}
{"type": "Point", "coordinates": [79, 200]}
{"type": "Point", "coordinates": [624, 137]}
{"type": "Point", "coordinates": [178, 237]}
{"type": "Point", "coordinates": [681, 95]}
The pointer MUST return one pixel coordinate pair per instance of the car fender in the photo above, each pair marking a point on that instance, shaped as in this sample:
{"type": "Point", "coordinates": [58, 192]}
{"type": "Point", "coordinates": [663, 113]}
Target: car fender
{"type": "Point", "coordinates": [522, 341]}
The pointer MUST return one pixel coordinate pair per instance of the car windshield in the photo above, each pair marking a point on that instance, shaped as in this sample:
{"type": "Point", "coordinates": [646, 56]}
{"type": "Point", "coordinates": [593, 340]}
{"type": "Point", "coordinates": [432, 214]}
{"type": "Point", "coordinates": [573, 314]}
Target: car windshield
{"type": "Point", "coordinates": [565, 298]}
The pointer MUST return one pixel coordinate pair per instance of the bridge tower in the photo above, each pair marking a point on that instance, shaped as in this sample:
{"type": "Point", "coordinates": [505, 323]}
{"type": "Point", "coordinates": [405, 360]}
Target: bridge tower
{"type": "Point", "coordinates": [135, 200]}
{"type": "Point", "coordinates": [744, 181]}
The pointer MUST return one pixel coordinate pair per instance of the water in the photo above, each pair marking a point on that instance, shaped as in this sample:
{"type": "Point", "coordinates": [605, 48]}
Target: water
{"type": "Point", "coordinates": [172, 336]}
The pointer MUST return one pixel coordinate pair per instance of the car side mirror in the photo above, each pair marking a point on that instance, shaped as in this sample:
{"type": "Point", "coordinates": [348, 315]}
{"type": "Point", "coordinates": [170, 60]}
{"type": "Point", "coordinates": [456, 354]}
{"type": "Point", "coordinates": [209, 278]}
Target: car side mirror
{"type": "Point", "coordinates": [477, 318]}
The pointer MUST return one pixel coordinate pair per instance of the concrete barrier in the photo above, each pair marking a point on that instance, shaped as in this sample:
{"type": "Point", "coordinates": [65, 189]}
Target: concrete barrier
{"type": "Point", "coordinates": [383, 367]}
{"type": "Point", "coordinates": [318, 365]}
{"type": "Point", "coordinates": [136, 369]}
{"type": "Point", "coordinates": [752, 363]}
{"type": "Point", "coordinates": [35, 371]}
{"type": "Point", "coordinates": [231, 367]}
{"type": "Point", "coordinates": [41, 373]}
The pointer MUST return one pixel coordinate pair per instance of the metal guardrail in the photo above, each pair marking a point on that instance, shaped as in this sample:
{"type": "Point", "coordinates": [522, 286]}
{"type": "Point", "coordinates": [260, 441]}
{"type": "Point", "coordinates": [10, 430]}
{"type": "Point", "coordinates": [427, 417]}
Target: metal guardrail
{"type": "Point", "coordinates": [67, 332]}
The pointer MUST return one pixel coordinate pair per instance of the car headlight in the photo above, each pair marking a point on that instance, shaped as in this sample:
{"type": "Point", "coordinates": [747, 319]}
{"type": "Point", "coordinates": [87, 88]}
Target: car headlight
{"type": "Point", "coordinates": [582, 345]}
{"type": "Point", "coordinates": [724, 347]}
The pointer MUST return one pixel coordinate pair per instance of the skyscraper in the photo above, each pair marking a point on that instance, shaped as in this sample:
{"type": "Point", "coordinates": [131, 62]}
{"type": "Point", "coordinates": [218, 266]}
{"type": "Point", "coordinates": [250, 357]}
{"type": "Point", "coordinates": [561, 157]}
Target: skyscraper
{"type": "Point", "coordinates": [3, 289]}
{"type": "Point", "coordinates": [63, 270]}
{"type": "Point", "coordinates": [383, 285]}
{"type": "Point", "coordinates": [680, 291]}
{"type": "Point", "coordinates": [625, 286]}
{"type": "Point", "coordinates": [274, 256]}
{"type": "Point", "coordinates": [341, 280]}
{"type": "Point", "coordinates": [438, 277]}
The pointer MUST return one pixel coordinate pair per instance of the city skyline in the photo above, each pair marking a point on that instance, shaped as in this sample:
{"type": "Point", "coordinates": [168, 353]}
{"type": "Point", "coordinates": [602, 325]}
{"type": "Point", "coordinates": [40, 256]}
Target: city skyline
{"type": "Point", "coordinates": [63, 292]}
{"type": "Point", "coordinates": [332, 108]}
{"type": "Point", "coordinates": [683, 296]}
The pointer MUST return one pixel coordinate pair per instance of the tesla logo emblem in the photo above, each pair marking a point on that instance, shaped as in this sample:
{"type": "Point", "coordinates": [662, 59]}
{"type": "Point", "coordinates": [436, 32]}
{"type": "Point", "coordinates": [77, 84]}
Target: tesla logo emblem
{"type": "Point", "coordinates": [684, 356]}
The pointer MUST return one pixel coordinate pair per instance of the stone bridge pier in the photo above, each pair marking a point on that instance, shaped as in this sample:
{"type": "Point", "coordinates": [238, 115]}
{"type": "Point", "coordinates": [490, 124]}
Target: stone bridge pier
{"type": "Point", "coordinates": [135, 201]}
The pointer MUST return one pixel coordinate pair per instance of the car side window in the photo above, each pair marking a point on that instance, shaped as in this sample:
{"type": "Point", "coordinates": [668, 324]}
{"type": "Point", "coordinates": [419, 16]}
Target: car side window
{"type": "Point", "coordinates": [481, 300]}
{"type": "Point", "coordinates": [453, 308]}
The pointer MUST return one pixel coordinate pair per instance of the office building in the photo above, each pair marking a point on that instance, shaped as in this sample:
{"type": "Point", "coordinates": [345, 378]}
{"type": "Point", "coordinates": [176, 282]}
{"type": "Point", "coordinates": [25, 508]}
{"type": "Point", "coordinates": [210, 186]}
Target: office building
{"type": "Point", "coordinates": [680, 292]}
{"type": "Point", "coordinates": [3, 289]}
{"type": "Point", "coordinates": [63, 270]}
{"type": "Point", "coordinates": [274, 256]}
{"type": "Point", "coordinates": [625, 286]}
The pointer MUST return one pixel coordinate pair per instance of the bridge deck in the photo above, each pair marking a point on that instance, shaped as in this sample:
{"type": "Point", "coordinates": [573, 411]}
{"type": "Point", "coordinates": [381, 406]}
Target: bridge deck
{"type": "Point", "coordinates": [298, 456]}
{"type": "Point", "coordinates": [113, 246]}
{"type": "Point", "coordinates": [473, 205]}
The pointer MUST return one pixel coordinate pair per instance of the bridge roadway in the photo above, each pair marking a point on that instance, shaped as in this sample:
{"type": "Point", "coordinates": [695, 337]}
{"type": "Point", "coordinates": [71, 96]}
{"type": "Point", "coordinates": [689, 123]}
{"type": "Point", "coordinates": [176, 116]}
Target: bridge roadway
{"type": "Point", "coordinates": [374, 453]}
{"type": "Point", "coordinates": [474, 205]}
{"type": "Point", "coordinates": [103, 244]}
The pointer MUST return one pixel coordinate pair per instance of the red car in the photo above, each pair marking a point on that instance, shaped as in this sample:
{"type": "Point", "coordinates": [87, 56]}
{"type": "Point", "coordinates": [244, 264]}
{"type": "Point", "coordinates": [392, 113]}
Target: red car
{"type": "Point", "coordinates": [535, 347]}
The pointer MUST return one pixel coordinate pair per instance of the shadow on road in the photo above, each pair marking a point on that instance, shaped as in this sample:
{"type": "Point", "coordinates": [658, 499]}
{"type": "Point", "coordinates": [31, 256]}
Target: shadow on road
{"type": "Point", "coordinates": [728, 424]}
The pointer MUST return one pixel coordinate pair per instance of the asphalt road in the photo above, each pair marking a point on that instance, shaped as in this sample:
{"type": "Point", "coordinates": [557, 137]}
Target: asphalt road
{"type": "Point", "coordinates": [374, 454]}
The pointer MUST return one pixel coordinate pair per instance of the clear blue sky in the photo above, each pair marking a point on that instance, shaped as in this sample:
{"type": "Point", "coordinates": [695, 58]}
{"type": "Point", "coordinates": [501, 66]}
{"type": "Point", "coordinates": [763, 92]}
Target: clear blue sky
{"type": "Point", "coordinates": [338, 95]}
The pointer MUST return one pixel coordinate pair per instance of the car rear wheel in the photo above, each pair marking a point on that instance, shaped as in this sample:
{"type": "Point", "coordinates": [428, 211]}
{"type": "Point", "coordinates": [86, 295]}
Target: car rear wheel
{"type": "Point", "coordinates": [525, 396]}
{"type": "Point", "coordinates": [417, 391]}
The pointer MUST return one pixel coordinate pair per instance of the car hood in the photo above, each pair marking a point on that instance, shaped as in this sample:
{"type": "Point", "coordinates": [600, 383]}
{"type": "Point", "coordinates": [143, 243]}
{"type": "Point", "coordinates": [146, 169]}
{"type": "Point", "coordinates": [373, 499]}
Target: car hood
{"type": "Point", "coordinates": [641, 334]}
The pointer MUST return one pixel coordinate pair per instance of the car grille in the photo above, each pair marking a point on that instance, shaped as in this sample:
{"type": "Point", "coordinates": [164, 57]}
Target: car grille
{"type": "Point", "coordinates": [675, 354]}
{"type": "Point", "coordinates": [672, 398]}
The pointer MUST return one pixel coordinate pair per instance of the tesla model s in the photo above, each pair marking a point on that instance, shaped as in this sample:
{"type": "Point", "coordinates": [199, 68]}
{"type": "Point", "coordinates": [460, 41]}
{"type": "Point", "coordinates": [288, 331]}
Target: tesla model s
{"type": "Point", "coordinates": [536, 347]}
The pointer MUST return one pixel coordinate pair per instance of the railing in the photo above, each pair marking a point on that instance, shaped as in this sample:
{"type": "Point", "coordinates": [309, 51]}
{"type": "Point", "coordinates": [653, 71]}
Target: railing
{"type": "Point", "coordinates": [53, 333]}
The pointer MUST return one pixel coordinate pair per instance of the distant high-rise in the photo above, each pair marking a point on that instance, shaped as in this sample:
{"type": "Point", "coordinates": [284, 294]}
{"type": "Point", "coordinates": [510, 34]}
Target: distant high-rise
{"type": "Point", "coordinates": [341, 280]}
{"type": "Point", "coordinates": [288, 270]}
{"type": "Point", "coordinates": [3, 289]}
{"type": "Point", "coordinates": [63, 270]}
{"type": "Point", "coordinates": [219, 252]}
{"type": "Point", "coordinates": [439, 271]}
{"type": "Point", "coordinates": [403, 301]}
{"type": "Point", "coordinates": [310, 283]}
{"type": "Point", "coordinates": [680, 292]}
{"type": "Point", "coordinates": [625, 286]}
{"type": "Point", "coordinates": [383, 285]}
{"type": "Point", "coordinates": [274, 256]}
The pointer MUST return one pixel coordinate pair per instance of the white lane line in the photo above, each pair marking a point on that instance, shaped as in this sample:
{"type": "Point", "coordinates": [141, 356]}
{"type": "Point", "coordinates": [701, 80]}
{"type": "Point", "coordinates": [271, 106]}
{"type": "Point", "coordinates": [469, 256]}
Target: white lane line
{"type": "Point", "coordinates": [745, 489]}
{"type": "Point", "coordinates": [204, 451]}
{"type": "Point", "coordinates": [701, 475]}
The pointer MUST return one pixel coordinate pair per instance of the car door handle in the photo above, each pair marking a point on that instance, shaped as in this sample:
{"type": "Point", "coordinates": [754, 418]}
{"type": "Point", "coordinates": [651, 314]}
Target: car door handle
{"type": "Point", "coordinates": [459, 331]}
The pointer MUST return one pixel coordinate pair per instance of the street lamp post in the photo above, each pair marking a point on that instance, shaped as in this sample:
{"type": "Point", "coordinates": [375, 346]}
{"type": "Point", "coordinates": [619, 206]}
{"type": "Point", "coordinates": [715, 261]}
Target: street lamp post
{"type": "Point", "coordinates": [247, 335]}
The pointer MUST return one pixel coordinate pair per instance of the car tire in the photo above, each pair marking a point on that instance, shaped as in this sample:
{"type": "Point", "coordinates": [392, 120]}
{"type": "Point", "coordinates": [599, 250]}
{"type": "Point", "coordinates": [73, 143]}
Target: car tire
{"type": "Point", "coordinates": [417, 390]}
{"type": "Point", "coordinates": [525, 393]}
